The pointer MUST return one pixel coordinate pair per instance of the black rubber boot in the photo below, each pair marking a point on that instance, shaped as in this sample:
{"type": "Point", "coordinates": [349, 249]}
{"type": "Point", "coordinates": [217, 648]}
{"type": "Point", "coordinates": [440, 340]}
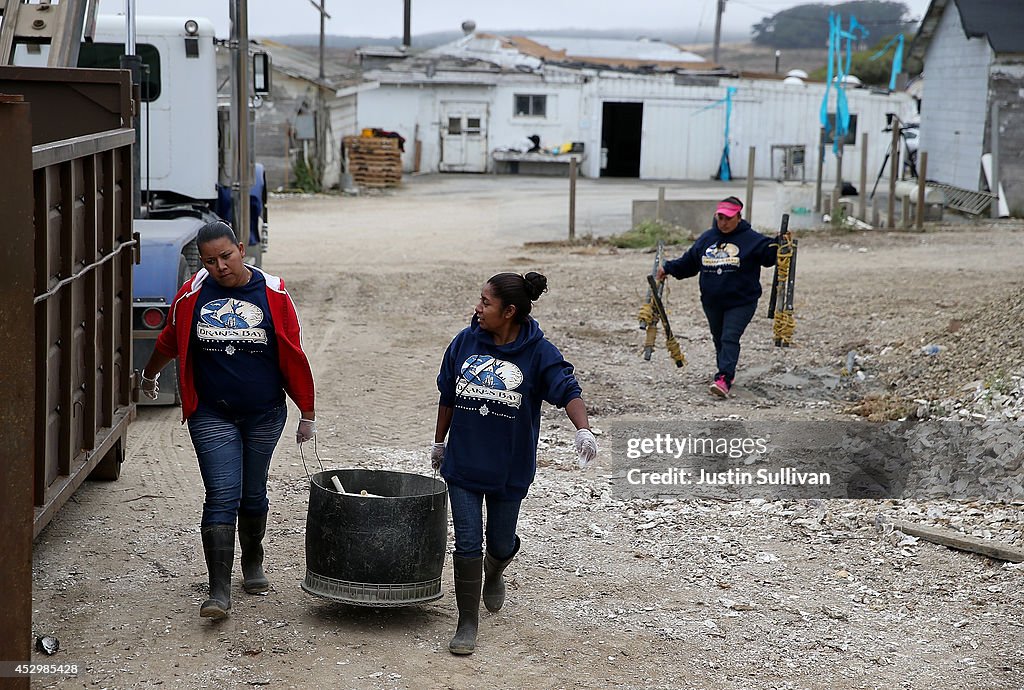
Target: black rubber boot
{"type": "Point", "coordinates": [251, 530]}
{"type": "Point", "coordinates": [219, 547]}
{"type": "Point", "coordinates": [494, 583]}
{"type": "Point", "coordinates": [467, 595]}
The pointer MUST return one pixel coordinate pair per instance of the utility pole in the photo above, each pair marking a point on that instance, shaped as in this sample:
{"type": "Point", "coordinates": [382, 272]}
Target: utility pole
{"type": "Point", "coordinates": [321, 116]}
{"type": "Point", "coordinates": [407, 25]}
{"type": "Point", "coordinates": [321, 124]}
{"type": "Point", "coordinates": [240, 119]}
{"type": "Point", "coordinates": [718, 29]}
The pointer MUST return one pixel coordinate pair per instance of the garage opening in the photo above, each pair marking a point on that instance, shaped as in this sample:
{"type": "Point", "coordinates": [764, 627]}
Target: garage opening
{"type": "Point", "coordinates": [621, 126]}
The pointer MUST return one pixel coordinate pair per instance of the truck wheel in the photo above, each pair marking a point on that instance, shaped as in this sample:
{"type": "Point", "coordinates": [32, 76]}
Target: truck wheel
{"type": "Point", "coordinates": [109, 468]}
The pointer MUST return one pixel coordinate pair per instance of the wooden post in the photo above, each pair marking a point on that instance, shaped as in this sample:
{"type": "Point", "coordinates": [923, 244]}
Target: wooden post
{"type": "Point", "coordinates": [18, 408]}
{"type": "Point", "coordinates": [839, 170]}
{"type": "Point", "coordinates": [821, 163]}
{"type": "Point", "coordinates": [894, 171]}
{"type": "Point", "coordinates": [905, 212]}
{"type": "Point", "coordinates": [659, 208]}
{"type": "Point", "coordinates": [417, 145]}
{"type": "Point", "coordinates": [287, 158]}
{"type": "Point", "coordinates": [862, 191]}
{"type": "Point", "coordinates": [922, 181]}
{"type": "Point", "coordinates": [572, 199]}
{"type": "Point", "coordinates": [994, 140]}
{"type": "Point", "coordinates": [748, 210]}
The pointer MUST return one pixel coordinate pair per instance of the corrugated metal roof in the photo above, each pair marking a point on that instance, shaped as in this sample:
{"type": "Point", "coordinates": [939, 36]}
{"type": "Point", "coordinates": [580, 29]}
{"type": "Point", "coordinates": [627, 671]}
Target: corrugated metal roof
{"type": "Point", "coordinates": [523, 53]}
{"type": "Point", "coordinates": [300, 65]}
{"type": "Point", "coordinates": [630, 55]}
{"type": "Point", "coordinates": [998, 21]}
{"type": "Point", "coordinates": [618, 49]}
{"type": "Point", "coordinates": [1001, 22]}
{"type": "Point", "coordinates": [486, 48]}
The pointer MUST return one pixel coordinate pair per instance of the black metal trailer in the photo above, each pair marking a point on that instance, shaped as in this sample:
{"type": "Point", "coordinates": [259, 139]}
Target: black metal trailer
{"type": "Point", "coordinates": [66, 181]}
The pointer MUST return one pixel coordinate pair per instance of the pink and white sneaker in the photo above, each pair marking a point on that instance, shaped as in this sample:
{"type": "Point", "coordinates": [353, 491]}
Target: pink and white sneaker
{"type": "Point", "coordinates": [720, 387]}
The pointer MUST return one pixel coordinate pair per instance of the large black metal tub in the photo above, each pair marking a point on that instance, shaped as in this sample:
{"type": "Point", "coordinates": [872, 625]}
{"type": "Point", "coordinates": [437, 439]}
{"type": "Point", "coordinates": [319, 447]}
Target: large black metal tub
{"type": "Point", "coordinates": [384, 550]}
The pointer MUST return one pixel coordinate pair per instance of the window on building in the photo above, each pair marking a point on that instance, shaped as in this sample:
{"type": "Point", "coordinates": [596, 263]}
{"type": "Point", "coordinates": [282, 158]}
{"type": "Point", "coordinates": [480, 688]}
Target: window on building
{"type": "Point", "coordinates": [531, 105]}
{"type": "Point", "coordinates": [455, 125]}
{"type": "Point", "coordinates": [472, 125]}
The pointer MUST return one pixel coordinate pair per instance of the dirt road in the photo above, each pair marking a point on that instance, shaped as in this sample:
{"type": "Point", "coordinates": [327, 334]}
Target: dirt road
{"type": "Point", "coordinates": [608, 592]}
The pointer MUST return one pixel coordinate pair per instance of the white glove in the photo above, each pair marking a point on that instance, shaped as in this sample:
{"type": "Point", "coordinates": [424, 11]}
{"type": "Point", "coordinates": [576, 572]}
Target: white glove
{"type": "Point", "coordinates": [306, 430]}
{"type": "Point", "coordinates": [436, 455]}
{"type": "Point", "coordinates": [150, 388]}
{"type": "Point", "coordinates": [586, 447]}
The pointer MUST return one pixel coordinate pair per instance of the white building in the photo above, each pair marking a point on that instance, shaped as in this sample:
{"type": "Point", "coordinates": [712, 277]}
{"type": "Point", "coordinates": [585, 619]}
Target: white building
{"type": "Point", "coordinates": [653, 110]}
{"type": "Point", "coordinates": [973, 56]}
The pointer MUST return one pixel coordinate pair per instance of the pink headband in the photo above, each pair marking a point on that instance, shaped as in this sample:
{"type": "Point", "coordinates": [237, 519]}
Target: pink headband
{"type": "Point", "coordinates": [728, 209]}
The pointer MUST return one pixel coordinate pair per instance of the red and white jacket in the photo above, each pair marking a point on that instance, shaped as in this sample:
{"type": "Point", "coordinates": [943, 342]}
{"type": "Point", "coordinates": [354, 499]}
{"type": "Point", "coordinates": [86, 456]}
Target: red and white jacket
{"type": "Point", "coordinates": [174, 341]}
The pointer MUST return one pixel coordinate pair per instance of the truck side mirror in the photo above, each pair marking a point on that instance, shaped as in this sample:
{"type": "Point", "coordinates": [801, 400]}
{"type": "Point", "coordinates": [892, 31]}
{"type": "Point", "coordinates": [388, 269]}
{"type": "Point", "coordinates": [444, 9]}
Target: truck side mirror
{"type": "Point", "coordinates": [261, 73]}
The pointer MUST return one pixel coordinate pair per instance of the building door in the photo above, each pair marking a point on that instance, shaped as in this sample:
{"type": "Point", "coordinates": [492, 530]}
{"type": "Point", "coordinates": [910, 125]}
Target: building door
{"type": "Point", "coordinates": [463, 137]}
{"type": "Point", "coordinates": [621, 133]}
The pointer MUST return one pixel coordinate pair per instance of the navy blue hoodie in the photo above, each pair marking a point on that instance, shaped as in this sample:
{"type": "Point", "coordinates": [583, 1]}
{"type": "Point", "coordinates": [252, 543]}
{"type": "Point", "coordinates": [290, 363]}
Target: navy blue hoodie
{"type": "Point", "coordinates": [729, 264]}
{"type": "Point", "coordinates": [496, 392]}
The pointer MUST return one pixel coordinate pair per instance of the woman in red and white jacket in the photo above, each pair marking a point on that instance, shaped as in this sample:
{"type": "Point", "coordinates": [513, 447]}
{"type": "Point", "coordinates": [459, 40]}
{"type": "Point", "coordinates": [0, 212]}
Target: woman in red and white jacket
{"type": "Point", "coordinates": [235, 333]}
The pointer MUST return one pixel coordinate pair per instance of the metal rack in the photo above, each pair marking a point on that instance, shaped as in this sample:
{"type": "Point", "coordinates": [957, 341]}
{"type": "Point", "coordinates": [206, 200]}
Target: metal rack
{"type": "Point", "coordinates": [793, 157]}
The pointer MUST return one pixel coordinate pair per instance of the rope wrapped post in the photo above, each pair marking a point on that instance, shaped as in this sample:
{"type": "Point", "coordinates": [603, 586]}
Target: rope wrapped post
{"type": "Point", "coordinates": [780, 307]}
{"type": "Point", "coordinates": [648, 317]}
{"type": "Point", "coordinates": [670, 340]}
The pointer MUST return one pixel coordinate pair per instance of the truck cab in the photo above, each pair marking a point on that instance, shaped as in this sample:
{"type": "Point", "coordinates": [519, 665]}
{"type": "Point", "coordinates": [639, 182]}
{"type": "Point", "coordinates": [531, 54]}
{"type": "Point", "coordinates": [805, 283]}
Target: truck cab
{"type": "Point", "coordinates": [180, 151]}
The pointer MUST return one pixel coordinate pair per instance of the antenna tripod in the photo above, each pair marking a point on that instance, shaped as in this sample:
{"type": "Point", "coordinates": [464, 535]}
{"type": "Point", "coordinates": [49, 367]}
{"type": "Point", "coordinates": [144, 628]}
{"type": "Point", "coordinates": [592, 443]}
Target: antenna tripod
{"type": "Point", "coordinates": [909, 161]}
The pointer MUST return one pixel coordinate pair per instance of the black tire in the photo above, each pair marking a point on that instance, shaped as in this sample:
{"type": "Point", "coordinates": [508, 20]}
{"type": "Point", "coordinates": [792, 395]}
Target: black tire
{"type": "Point", "coordinates": [109, 468]}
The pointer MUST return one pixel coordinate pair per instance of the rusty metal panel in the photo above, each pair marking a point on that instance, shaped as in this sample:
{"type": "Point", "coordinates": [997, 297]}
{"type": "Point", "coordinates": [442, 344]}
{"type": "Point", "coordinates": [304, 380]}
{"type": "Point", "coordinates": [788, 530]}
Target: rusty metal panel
{"type": "Point", "coordinates": [99, 98]}
{"type": "Point", "coordinates": [83, 281]}
{"type": "Point", "coordinates": [18, 400]}
{"type": "Point", "coordinates": [78, 276]}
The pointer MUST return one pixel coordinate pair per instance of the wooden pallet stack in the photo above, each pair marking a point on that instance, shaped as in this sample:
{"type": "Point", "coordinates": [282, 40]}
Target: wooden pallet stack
{"type": "Point", "coordinates": [374, 161]}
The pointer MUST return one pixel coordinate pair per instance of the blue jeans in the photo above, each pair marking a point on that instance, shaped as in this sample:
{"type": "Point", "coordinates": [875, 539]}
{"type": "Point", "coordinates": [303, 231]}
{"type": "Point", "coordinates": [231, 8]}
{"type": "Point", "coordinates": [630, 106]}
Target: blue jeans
{"type": "Point", "coordinates": [467, 516]}
{"type": "Point", "coordinates": [727, 326]}
{"type": "Point", "coordinates": [234, 454]}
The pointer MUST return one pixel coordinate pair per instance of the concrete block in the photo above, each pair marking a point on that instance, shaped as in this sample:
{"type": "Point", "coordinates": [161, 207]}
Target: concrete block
{"type": "Point", "coordinates": [693, 214]}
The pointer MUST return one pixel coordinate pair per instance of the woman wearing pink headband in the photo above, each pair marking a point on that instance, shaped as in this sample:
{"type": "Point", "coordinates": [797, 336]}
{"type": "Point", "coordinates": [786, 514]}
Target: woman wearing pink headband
{"type": "Point", "coordinates": [729, 258]}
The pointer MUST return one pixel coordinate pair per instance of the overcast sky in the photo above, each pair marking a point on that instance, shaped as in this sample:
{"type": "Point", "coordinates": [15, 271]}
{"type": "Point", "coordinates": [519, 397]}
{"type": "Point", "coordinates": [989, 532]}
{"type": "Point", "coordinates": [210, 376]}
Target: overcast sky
{"type": "Point", "coordinates": [383, 18]}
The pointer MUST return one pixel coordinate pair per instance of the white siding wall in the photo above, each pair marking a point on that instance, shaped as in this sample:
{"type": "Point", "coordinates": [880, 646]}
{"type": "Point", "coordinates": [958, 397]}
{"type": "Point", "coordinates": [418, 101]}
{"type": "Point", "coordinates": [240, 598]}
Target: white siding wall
{"type": "Point", "coordinates": [561, 123]}
{"type": "Point", "coordinates": [954, 104]}
{"type": "Point", "coordinates": [343, 124]}
{"type": "Point", "coordinates": [681, 139]}
{"type": "Point", "coordinates": [399, 109]}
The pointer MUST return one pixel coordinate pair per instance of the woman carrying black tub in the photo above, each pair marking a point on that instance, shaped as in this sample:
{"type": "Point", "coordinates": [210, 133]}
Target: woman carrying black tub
{"type": "Point", "coordinates": [493, 378]}
{"type": "Point", "coordinates": [235, 333]}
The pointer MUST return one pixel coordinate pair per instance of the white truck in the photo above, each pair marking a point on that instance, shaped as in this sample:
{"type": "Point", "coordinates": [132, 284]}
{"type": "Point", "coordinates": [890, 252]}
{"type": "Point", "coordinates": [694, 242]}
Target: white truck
{"type": "Point", "coordinates": [183, 184]}
{"type": "Point", "coordinates": [192, 158]}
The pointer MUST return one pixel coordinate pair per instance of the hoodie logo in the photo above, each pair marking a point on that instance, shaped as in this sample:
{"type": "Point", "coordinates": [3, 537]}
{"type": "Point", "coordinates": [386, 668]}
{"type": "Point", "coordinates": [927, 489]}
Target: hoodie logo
{"type": "Point", "coordinates": [487, 378]}
{"type": "Point", "coordinates": [721, 254]}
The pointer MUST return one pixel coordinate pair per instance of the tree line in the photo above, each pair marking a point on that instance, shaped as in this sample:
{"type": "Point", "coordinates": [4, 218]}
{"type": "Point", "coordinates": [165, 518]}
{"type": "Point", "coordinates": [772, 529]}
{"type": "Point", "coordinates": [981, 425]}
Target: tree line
{"type": "Point", "coordinates": [806, 26]}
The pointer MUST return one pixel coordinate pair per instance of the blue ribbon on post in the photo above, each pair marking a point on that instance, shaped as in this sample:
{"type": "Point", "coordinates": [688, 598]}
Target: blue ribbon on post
{"type": "Point", "coordinates": [837, 71]}
{"type": "Point", "coordinates": [897, 58]}
{"type": "Point", "coordinates": [724, 171]}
